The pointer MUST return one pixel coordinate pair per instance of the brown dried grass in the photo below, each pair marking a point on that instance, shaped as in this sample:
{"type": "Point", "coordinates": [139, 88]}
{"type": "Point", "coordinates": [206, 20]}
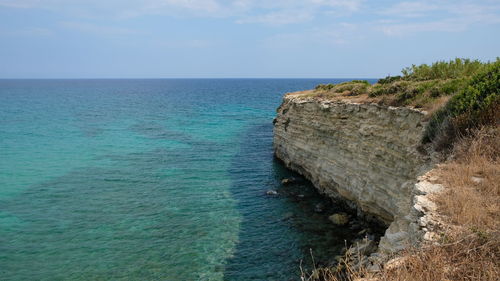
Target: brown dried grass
{"type": "Point", "coordinates": [472, 197]}
{"type": "Point", "coordinates": [475, 256]}
{"type": "Point", "coordinates": [437, 104]}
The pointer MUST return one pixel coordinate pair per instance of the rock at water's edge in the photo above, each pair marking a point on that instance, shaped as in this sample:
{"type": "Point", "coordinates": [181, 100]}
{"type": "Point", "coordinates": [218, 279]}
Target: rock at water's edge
{"type": "Point", "coordinates": [339, 218]}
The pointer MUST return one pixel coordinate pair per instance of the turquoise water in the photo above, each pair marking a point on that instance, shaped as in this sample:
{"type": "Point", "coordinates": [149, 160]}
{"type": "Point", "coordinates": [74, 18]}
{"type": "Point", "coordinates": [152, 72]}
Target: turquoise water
{"type": "Point", "coordinates": [151, 180]}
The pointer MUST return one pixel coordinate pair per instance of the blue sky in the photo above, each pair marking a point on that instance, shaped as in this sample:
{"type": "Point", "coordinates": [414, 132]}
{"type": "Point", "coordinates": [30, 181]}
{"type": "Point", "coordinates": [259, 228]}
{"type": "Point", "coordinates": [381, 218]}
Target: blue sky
{"type": "Point", "coordinates": [242, 38]}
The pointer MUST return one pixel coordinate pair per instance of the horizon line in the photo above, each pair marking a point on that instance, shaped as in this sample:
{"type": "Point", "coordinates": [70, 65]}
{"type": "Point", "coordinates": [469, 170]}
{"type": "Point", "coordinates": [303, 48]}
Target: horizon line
{"type": "Point", "coordinates": [186, 78]}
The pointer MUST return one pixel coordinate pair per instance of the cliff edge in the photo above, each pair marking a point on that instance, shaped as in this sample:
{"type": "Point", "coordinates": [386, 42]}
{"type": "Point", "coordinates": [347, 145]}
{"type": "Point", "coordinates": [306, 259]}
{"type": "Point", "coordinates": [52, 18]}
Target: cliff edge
{"type": "Point", "coordinates": [363, 153]}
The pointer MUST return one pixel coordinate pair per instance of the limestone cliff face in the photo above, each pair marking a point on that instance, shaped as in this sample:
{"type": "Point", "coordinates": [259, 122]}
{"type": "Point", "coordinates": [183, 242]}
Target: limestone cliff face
{"type": "Point", "coordinates": [364, 153]}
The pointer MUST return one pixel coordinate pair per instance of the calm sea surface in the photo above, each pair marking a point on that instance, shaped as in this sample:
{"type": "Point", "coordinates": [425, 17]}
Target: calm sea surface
{"type": "Point", "coordinates": [151, 180]}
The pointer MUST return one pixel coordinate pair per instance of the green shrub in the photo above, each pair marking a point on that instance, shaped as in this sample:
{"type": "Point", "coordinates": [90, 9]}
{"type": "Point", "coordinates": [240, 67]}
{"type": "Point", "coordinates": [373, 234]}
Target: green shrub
{"type": "Point", "coordinates": [477, 104]}
{"type": "Point", "coordinates": [419, 86]}
{"type": "Point", "coordinates": [324, 87]}
{"type": "Point", "coordinates": [377, 90]}
{"type": "Point", "coordinates": [443, 70]}
{"type": "Point", "coordinates": [389, 79]}
{"type": "Point", "coordinates": [361, 81]}
{"type": "Point", "coordinates": [354, 87]}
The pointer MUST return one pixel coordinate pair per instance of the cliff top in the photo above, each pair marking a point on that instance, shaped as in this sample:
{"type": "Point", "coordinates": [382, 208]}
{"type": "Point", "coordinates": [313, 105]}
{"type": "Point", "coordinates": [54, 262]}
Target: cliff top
{"type": "Point", "coordinates": [424, 87]}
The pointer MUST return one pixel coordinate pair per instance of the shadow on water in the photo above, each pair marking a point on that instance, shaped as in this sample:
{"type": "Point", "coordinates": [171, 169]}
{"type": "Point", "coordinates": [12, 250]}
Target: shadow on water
{"type": "Point", "coordinates": [277, 232]}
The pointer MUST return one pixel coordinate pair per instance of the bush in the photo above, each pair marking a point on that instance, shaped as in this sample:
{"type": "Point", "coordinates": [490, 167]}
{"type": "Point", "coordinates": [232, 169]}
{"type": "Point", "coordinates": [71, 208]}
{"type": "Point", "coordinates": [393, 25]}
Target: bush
{"type": "Point", "coordinates": [477, 104]}
{"type": "Point", "coordinates": [389, 79]}
{"type": "Point", "coordinates": [351, 88]}
{"type": "Point", "coordinates": [324, 87]}
{"type": "Point", "coordinates": [443, 70]}
{"type": "Point", "coordinates": [360, 81]}
{"type": "Point", "coordinates": [424, 86]}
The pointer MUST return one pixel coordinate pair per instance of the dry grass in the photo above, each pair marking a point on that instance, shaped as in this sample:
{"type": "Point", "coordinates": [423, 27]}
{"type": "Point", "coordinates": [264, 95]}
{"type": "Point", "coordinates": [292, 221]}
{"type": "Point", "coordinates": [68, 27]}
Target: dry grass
{"type": "Point", "coordinates": [466, 257]}
{"type": "Point", "coordinates": [344, 271]}
{"type": "Point", "coordinates": [428, 105]}
{"type": "Point", "coordinates": [343, 97]}
{"type": "Point", "coordinates": [471, 256]}
{"type": "Point", "coordinates": [426, 95]}
{"type": "Point", "coordinates": [473, 179]}
{"type": "Point", "coordinates": [437, 104]}
{"type": "Point", "coordinates": [471, 202]}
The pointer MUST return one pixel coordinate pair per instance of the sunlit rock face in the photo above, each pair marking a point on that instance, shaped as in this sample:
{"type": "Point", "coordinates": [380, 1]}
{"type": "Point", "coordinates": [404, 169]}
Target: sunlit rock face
{"type": "Point", "coordinates": [365, 154]}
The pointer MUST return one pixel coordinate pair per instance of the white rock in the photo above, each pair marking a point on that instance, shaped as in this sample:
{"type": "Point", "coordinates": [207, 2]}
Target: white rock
{"type": "Point", "coordinates": [477, 179]}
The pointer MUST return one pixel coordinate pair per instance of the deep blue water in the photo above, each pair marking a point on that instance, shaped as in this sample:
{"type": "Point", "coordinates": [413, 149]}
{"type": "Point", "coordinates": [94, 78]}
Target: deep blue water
{"type": "Point", "coordinates": [151, 180]}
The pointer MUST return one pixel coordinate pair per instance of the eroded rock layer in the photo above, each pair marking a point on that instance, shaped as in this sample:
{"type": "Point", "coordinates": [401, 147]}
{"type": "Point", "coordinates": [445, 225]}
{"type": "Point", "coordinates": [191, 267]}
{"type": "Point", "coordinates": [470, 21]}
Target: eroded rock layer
{"type": "Point", "coordinates": [364, 153]}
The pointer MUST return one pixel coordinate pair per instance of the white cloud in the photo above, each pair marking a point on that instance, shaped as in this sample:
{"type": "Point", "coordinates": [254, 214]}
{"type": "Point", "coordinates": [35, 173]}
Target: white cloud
{"type": "Point", "coordinates": [281, 12]}
{"type": "Point", "coordinates": [437, 16]}
{"type": "Point", "coordinates": [279, 18]}
{"type": "Point", "coordinates": [411, 9]}
{"type": "Point", "coordinates": [192, 44]}
{"type": "Point", "coordinates": [402, 17]}
{"type": "Point", "coordinates": [331, 36]}
{"type": "Point", "coordinates": [97, 29]}
{"type": "Point", "coordinates": [16, 4]}
{"type": "Point", "coordinates": [248, 11]}
{"type": "Point", "coordinates": [397, 29]}
{"type": "Point", "coordinates": [27, 32]}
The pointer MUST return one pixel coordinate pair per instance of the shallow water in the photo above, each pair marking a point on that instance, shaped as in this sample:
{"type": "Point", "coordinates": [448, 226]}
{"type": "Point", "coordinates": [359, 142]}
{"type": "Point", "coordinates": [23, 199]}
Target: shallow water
{"type": "Point", "coordinates": [151, 180]}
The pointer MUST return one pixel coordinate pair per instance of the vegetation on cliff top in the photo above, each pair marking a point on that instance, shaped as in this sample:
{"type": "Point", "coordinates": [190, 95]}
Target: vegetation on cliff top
{"type": "Point", "coordinates": [460, 94]}
{"type": "Point", "coordinates": [423, 86]}
{"type": "Point", "coordinates": [475, 105]}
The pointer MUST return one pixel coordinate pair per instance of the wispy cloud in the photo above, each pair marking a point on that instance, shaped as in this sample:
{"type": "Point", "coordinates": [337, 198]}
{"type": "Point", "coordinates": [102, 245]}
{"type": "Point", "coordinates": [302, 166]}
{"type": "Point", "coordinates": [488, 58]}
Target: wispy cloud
{"type": "Point", "coordinates": [437, 16]}
{"type": "Point", "coordinates": [279, 18]}
{"type": "Point", "coordinates": [244, 11]}
{"type": "Point", "coordinates": [411, 9]}
{"type": "Point", "coordinates": [393, 19]}
{"type": "Point", "coordinates": [398, 28]}
{"type": "Point", "coordinates": [27, 32]}
{"type": "Point", "coordinates": [97, 29]}
{"type": "Point", "coordinates": [280, 12]}
{"type": "Point", "coordinates": [331, 36]}
{"type": "Point", "coordinates": [22, 4]}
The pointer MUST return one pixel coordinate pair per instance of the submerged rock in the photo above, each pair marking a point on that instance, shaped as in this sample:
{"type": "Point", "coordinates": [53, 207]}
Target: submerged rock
{"type": "Point", "coordinates": [272, 192]}
{"type": "Point", "coordinates": [286, 181]}
{"type": "Point", "coordinates": [319, 208]}
{"type": "Point", "coordinates": [339, 218]}
{"type": "Point", "coordinates": [288, 216]}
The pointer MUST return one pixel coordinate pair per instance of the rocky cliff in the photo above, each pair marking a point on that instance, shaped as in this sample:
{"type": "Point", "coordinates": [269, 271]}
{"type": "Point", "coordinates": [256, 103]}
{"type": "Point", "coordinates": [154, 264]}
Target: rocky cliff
{"type": "Point", "coordinates": [365, 154]}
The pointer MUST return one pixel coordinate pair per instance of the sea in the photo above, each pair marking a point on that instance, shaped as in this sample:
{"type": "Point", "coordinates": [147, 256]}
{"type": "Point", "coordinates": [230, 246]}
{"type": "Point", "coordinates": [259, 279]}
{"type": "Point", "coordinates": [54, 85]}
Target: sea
{"type": "Point", "coordinates": [154, 179]}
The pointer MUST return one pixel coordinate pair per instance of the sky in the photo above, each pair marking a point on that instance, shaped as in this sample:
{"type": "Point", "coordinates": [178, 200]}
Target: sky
{"type": "Point", "coordinates": [241, 38]}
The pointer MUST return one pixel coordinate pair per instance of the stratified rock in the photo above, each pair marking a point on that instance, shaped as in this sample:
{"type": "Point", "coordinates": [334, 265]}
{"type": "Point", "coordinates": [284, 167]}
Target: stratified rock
{"type": "Point", "coordinates": [339, 218]}
{"type": "Point", "coordinates": [367, 154]}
